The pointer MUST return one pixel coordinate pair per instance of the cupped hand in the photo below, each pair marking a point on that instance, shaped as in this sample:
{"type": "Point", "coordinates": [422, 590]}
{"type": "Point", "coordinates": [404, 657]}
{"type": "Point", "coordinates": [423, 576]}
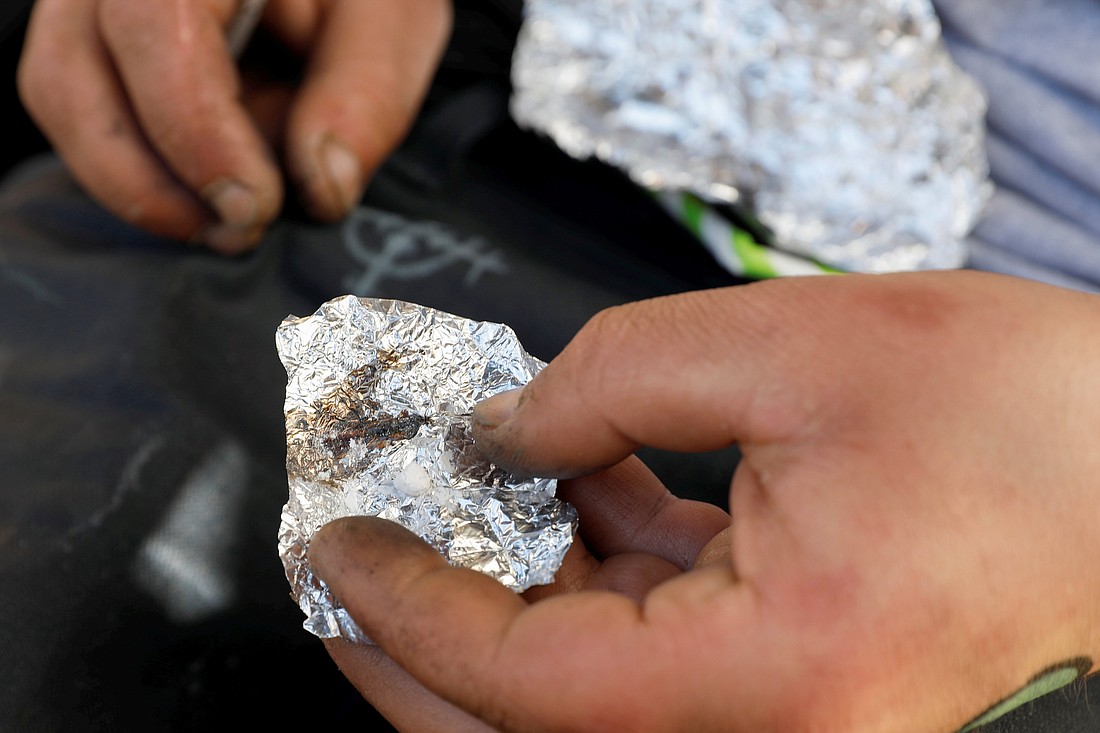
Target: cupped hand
{"type": "Point", "coordinates": [634, 536]}
{"type": "Point", "coordinates": [912, 520]}
{"type": "Point", "coordinates": [144, 102]}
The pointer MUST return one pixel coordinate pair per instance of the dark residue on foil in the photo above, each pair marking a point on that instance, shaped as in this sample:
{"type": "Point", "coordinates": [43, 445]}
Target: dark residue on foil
{"type": "Point", "coordinates": [378, 402]}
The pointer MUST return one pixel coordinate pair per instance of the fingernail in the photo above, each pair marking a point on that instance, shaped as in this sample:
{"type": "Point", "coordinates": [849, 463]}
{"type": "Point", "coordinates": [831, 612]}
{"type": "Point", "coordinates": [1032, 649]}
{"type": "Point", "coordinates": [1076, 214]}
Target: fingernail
{"type": "Point", "coordinates": [343, 172]}
{"type": "Point", "coordinates": [498, 409]}
{"type": "Point", "coordinates": [319, 553]}
{"type": "Point", "coordinates": [317, 556]}
{"type": "Point", "coordinates": [235, 203]}
{"type": "Point", "coordinates": [361, 546]}
{"type": "Point", "coordinates": [228, 239]}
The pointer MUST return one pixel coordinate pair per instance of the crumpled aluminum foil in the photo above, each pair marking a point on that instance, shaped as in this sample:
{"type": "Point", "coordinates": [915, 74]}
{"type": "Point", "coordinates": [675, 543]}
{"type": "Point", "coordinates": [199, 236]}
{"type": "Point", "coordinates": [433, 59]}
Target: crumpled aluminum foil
{"type": "Point", "coordinates": [844, 127]}
{"type": "Point", "coordinates": [378, 399]}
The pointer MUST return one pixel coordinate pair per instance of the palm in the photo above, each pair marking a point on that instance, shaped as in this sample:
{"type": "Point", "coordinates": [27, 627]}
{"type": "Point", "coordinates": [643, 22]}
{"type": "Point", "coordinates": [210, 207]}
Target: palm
{"type": "Point", "coordinates": [634, 534]}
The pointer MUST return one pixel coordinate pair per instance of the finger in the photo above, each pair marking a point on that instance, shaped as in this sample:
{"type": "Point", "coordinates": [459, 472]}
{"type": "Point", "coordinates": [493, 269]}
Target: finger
{"type": "Point", "coordinates": [691, 372]}
{"type": "Point", "coordinates": [267, 104]}
{"type": "Point", "coordinates": [632, 574]}
{"type": "Point", "coordinates": [643, 533]}
{"type": "Point", "coordinates": [718, 550]}
{"type": "Point", "coordinates": [178, 72]}
{"type": "Point", "coordinates": [393, 692]}
{"type": "Point", "coordinates": [626, 509]}
{"type": "Point", "coordinates": [68, 85]}
{"type": "Point", "coordinates": [367, 75]}
{"type": "Point", "coordinates": [294, 23]}
{"type": "Point", "coordinates": [575, 574]}
{"type": "Point", "coordinates": [475, 643]}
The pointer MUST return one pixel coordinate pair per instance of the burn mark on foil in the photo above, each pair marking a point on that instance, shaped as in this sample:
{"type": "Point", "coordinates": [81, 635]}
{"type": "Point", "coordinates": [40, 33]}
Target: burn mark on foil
{"type": "Point", "coordinates": [375, 431]}
{"type": "Point", "coordinates": [322, 436]}
{"type": "Point", "coordinates": [377, 412]}
{"type": "Point", "coordinates": [355, 415]}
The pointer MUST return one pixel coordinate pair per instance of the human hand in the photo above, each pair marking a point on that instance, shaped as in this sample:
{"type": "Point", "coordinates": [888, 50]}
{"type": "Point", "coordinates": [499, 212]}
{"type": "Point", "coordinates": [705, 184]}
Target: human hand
{"type": "Point", "coordinates": [144, 102]}
{"type": "Point", "coordinates": [633, 536]}
{"type": "Point", "coordinates": [912, 519]}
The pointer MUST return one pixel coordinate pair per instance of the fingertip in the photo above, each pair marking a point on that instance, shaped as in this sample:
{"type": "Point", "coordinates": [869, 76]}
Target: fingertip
{"type": "Point", "coordinates": [489, 420]}
{"type": "Point", "coordinates": [235, 203]}
{"type": "Point", "coordinates": [238, 228]}
{"type": "Point", "coordinates": [369, 70]}
{"type": "Point", "coordinates": [228, 240]}
{"type": "Point", "coordinates": [339, 182]}
{"type": "Point", "coordinates": [243, 212]}
{"type": "Point", "coordinates": [494, 411]}
{"type": "Point", "coordinates": [361, 549]}
{"type": "Point", "coordinates": [343, 174]}
{"type": "Point", "coordinates": [327, 546]}
{"type": "Point", "coordinates": [527, 435]}
{"type": "Point", "coordinates": [335, 540]}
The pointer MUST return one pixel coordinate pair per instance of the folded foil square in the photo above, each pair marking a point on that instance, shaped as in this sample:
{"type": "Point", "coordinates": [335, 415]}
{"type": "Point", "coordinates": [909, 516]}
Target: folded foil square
{"type": "Point", "coordinates": [378, 401]}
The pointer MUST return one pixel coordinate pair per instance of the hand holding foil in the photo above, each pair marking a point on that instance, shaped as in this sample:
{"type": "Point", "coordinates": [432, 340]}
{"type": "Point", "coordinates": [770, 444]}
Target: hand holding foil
{"type": "Point", "coordinates": [377, 409]}
{"type": "Point", "coordinates": [910, 517]}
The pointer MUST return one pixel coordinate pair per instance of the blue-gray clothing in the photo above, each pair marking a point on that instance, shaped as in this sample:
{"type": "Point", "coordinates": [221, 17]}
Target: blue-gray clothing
{"type": "Point", "coordinates": [1039, 62]}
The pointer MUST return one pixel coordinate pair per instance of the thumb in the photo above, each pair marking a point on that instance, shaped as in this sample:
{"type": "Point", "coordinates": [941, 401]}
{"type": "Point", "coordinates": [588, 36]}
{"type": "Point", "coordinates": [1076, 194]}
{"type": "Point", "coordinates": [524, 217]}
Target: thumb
{"type": "Point", "coordinates": [368, 73]}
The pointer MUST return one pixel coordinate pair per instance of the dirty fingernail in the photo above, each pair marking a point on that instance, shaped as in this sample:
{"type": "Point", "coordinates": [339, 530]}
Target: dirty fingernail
{"type": "Point", "coordinates": [498, 409]}
{"type": "Point", "coordinates": [228, 239]}
{"type": "Point", "coordinates": [325, 549]}
{"type": "Point", "coordinates": [235, 203]}
{"type": "Point", "coordinates": [342, 169]}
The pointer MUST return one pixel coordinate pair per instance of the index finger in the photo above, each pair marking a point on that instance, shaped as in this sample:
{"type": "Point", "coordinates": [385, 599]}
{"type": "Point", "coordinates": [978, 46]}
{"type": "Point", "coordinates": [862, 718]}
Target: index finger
{"type": "Point", "coordinates": [772, 364]}
{"type": "Point", "coordinates": [692, 372]}
{"type": "Point", "coordinates": [177, 67]}
{"type": "Point", "coordinates": [69, 86]}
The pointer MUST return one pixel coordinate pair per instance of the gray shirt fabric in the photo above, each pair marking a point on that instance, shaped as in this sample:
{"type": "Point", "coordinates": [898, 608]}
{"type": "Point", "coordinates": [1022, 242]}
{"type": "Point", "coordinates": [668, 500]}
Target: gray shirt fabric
{"type": "Point", "coordinates": [1039, 63]}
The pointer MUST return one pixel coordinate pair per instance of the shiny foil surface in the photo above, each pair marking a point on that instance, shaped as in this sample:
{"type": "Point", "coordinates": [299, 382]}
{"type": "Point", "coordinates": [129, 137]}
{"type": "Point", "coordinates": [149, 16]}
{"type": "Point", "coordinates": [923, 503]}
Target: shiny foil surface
{"type": "Point", "coordinates": [843, 127]}
{"type": "Point", "coordinates": [378, 399]}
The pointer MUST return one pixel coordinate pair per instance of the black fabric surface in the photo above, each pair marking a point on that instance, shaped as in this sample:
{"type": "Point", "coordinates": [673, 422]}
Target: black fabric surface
{"type": "Point", "coordinates": [142, 447]}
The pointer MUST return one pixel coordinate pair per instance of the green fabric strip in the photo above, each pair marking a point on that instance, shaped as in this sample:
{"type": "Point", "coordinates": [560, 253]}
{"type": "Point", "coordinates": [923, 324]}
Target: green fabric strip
{"type": "Point", "coordinates": [752, 255]}
{"type": "Point", "coordinates": [692, 210]}
{"type": "Point", "coordinates": [736, 248]}
{"type": "Point", "coordinates": [1043, 684]}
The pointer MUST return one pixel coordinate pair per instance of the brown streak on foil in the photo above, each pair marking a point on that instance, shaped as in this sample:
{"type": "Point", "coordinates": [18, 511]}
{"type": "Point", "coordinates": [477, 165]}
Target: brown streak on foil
{"type": "Point", "coordinates": [377, 431]}
{"type": "Point", "coordinates": [352, 414]}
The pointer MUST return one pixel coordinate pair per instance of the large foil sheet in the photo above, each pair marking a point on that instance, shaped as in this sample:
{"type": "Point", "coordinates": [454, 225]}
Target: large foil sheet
{"type": "Point", "coordinates": [843, 127]}
{"type": "Point", "coordinates": [378, 399]}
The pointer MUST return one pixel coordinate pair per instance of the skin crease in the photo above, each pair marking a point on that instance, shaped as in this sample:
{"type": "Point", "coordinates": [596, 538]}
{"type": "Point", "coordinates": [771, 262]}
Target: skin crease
{"type": "Point", "coordinates": [106, 81]}
{"type": "Point", "coordinates": [908, 520]}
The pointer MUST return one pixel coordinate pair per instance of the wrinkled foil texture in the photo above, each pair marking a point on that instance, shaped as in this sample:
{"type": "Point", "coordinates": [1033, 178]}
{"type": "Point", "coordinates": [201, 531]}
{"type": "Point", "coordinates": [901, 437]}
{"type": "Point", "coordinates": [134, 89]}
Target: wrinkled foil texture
{"type": "Point", "coordinates": [843, 127]}
{"type": "Point", "coordinates": [378, 399]}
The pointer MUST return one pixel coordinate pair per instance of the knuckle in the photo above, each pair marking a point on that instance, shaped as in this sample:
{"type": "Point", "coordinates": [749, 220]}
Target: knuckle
{"type": "Point", "coordinates": [181, 29]}
{"type": "Point", "coordinates": [28, 84]}
{"type": "Point", "coordinates": [39, 76]}
{"type": "Point", "coordinates": [616, 347]}
{"type": "Point", "coordinates": [602, 349]}
{"type": "Point", "coordinates": [125, 21]}
{"type": "Point", "coordinates": [609, 321]}
{"type": "Point", "coordinates": [609, 331]}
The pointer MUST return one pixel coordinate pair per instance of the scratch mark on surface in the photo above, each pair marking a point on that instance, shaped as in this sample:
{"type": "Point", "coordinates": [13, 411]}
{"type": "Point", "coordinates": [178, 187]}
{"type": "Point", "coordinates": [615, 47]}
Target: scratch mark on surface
{"type": "Point", "coordinates": [40, 292]}
{"type": "Point", "coordinates": [129, 482]}
{"type": "Point", "coordinates": [186, 563]}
